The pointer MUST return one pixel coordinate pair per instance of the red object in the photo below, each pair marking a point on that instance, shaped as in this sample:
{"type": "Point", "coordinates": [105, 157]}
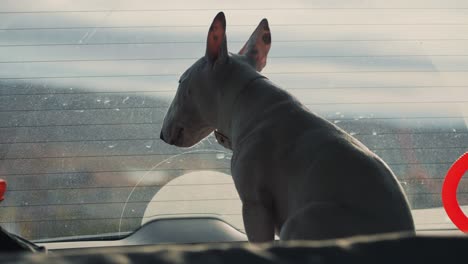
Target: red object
{"type": "Point", "coordinates": [449, 193]}
{"type": "Point", "coordinates": [3, 186]}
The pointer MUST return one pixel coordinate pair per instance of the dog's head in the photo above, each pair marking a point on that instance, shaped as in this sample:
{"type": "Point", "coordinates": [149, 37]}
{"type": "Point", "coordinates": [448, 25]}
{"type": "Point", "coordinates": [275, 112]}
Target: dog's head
{"type": "Point", "coordinates": [192, 113]}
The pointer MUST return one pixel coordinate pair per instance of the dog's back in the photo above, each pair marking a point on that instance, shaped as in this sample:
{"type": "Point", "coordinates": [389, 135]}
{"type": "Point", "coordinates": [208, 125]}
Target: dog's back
{"type": "Point", "coordinates": [324, 183]}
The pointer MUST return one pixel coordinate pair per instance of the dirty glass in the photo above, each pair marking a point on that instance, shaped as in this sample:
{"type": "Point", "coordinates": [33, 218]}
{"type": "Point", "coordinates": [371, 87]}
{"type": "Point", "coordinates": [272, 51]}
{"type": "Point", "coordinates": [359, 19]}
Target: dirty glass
{"type": "Point", "coordinates": [84, 86]}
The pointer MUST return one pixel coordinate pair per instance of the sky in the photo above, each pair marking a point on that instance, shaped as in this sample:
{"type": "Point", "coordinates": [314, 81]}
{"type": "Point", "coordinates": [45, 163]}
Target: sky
{"type": "Point", "coordinates": [355, 59]}
{"type": "Point", "coordinates": [343, 59]}
{"type": "Point", "coordinates": [345, 46]}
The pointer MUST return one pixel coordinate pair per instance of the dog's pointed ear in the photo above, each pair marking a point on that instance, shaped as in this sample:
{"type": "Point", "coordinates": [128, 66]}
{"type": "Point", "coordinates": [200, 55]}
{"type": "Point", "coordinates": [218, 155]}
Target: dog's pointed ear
{"type": "Point", "coordinates": [216, 46]}
{"type": "Point", "coordinates": [258, 45]}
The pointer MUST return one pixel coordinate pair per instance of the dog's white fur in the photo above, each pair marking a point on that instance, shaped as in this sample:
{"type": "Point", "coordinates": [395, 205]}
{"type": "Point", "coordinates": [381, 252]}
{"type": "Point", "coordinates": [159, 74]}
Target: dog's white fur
{"type": "Point", "coordinates": [296, 173]}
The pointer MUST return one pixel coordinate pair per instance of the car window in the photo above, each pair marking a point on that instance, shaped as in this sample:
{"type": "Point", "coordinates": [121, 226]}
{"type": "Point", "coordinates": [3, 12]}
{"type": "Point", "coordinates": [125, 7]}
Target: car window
{"type": "Point", "coordinates": [84, 87]}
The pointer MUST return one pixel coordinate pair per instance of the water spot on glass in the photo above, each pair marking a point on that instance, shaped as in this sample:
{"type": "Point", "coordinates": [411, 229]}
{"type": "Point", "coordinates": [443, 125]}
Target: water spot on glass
{"type": "Point", "coordinates": [126, 99]}
{"type": "Point", "coordinates": [133, 210]}
{"type": "Point", "coordinates": [336, 121]}
{"type": "Point", "coordinates": [117, 109]}
{"type": "Point", "coordinates": [98, 100]}
{"type": "Point", "coordinates": [79, 111]}
{"type": "Point", "coordinates": [111, 146]}
{"type": "Point", "coordinates": [106, 101]}
{"type": "Point", "coordinates": [374, 133]}
{"type": "Point", "coordinates": [64, 104]}
{"type": "Point", "coordinates": [352, 133]}
{"type": "Point", "coordinates": [220, 156]}
{"type": "Point", "coordinates": [404, 183]}
{"type": "Point", "coordinates": [454, 130]}
{"type": "Point", "coordinates": [149, 145]}
{"type": "Point", "coordinates": [337, 113]}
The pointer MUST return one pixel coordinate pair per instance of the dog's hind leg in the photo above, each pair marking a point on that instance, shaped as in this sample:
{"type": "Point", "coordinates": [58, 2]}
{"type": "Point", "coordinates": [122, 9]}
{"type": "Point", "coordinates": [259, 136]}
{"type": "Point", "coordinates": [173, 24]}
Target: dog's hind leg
{"type": "Point", "coordinates": [319, 221]}
{"type": "Point", "coordinates": [258, 222]}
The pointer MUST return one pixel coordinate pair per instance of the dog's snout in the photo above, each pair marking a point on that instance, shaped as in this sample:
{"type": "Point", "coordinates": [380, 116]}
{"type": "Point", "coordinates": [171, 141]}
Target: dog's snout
{"type": "Point", "coordinates": [178, 135]}
{"type": "Point", "coordinates": [161, 136]}
{"type": "Point", "coordinates": [174, 137]}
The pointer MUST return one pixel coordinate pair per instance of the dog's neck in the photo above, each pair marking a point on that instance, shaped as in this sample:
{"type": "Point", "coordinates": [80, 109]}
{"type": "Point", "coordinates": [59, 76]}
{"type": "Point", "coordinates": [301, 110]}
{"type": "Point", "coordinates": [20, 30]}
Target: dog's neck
{"type": "Point", "coordinates": [253, 109]}
{"type": "Point", "coordinates": [223, 133]}
{"type": "Point", "coordinates": [238, 84]}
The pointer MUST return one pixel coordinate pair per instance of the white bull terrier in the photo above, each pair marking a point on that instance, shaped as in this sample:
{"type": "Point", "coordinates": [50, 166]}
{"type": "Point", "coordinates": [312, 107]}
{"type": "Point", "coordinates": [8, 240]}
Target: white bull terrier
{"type": "Point", "coordinates": [297, 175]}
